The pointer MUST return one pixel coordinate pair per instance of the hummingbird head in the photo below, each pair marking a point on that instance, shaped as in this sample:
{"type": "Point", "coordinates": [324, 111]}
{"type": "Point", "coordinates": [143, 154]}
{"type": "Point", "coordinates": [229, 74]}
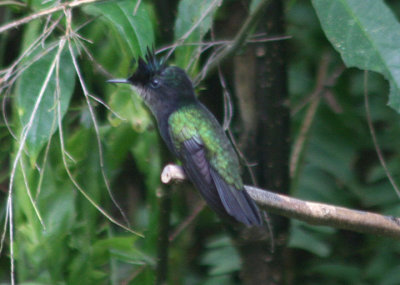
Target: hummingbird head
{"type": "Point", "coordinates": [161, 86]}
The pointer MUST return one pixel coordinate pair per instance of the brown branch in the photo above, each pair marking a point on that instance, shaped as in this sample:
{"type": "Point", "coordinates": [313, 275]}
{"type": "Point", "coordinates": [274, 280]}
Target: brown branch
{"type": "Point", "coordinates": [45, 12]}
{"type": "Point", "coordinates": [315, 213]}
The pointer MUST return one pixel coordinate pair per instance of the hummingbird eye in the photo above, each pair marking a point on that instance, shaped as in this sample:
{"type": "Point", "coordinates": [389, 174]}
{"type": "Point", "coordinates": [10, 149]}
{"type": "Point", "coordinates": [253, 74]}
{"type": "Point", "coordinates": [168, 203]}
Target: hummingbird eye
{"type": "Point", "coordinates": [155, 83]}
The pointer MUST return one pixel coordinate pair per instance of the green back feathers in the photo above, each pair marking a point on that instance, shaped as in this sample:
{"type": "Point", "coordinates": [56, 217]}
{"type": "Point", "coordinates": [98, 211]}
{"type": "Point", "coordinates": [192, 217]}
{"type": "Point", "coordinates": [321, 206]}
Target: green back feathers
{"type": "Point", "coordinates": [193, 122]}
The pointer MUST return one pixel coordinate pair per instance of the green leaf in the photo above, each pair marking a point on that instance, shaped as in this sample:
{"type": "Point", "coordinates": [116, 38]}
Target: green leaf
{"type": "Point", "coordinates": [346, 273]}
{"type": "Point", "coordinates": [392, 277]}
{"type": "Point", "coordinates": [134, 30]}
{"type": "Point", "coordinates": [367, 35]}
{"type": "Point", "coordinates": [146, 152]}
{"type": "Point", "coordinates": [197, 15]}
{"type": "Point", "coordinates": [310, 238]}
{"type": "Point", "coordinates": [221, 256]}
{"type": "Point", "coordinates": [122, 248]}
{"type": "Point", "coordinates": [130, 107]}
{"type": "Point", "coordinates": [29, 87]}
{"type": "Point", "coordinates": [253, 5]}
{"type": "Point", "coordinates": [43, 253]}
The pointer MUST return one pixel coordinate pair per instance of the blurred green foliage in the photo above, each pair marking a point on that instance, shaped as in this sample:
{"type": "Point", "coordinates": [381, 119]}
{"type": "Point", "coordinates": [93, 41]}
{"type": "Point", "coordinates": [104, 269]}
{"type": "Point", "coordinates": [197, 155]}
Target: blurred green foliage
{"type": "Point", "coordinates": [61, 238]}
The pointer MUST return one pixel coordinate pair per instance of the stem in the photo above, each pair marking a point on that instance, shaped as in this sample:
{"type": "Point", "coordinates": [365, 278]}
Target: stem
{"type": "Point", "coordinates": [240, 38]}
{"type": "Point", "coordinates": [43, 13]}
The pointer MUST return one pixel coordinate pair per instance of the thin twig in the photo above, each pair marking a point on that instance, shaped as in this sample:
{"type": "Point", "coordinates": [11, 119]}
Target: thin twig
{"type": "Point", "coordinates": [11, 230]}
{"type": "Point", "coordinates": [45, 12]}
{"type": "Point", "coordinates": [188, 221]}
{"type": "Point", "coordinates": [133, 275]}
{"type": "Point", "coordinates": [238, 41]}
{"type": "Point", "coordinates": [318, 213]}
{"type": "Point", "coordinates": [308, 119]}
{"type": "Point", "coordinates": [228, 105]}
{"type": "Point", "coordinates": [136, 7]}
{"type": "Point", "coordinates": [73, 180]}
{"type": "Point", "coordinates": [47, 149]}
{"type": "Point", "coordinates": [228, 114]}
{"type": "Point", "coordinates": [29, 193]}
{"type": "Point", "coordinates": [4, 232]}
{"type": "Point", "coordinates": [15, 3]}
{"type": "Point", "coordinates": [24, 136]}
{"type": "Point", "coordinates": [105, 105]}
{"type": "Point", "coordinates": [93, 117]}
{"type": "Point", "coordinates": [374, 139]}
{"type": "Point", "coordinates": [46, 32]}
{"type": "Point", "coordinates": [195, 25]}
{"type": "Point", "coordinates": [208, 44]}
{"type": "Point", "coordinates": [53, 127]}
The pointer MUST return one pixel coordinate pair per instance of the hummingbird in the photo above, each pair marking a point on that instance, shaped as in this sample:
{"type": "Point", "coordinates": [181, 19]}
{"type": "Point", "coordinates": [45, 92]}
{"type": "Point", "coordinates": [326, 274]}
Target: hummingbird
{"type": "Point", "coordinates": [194, 136]}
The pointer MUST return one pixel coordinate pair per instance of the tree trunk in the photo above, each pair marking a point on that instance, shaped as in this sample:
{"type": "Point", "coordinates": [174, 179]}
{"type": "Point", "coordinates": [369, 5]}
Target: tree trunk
{"type": "Point", "coordinates": [261, 80]}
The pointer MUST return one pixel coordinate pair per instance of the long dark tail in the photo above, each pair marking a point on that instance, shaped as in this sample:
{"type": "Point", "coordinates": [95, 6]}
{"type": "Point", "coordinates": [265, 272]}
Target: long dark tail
{"type": "Point", "coordinates": [236, 202]}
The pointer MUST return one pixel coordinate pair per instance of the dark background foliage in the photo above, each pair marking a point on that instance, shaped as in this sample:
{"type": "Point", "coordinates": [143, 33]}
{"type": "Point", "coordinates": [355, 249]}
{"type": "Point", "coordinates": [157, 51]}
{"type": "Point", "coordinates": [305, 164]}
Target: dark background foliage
{"type": "Point", "coordinates": [299, 117]}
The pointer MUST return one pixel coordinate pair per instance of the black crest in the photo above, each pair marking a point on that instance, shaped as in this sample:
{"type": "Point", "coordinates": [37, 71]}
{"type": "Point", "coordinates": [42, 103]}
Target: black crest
{"type": "Point", "coordinates": [147, 68]}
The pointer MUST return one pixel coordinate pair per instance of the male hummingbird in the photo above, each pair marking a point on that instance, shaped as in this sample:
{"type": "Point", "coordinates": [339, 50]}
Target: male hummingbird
{"type": "Point", "coordinates": [195, 137]}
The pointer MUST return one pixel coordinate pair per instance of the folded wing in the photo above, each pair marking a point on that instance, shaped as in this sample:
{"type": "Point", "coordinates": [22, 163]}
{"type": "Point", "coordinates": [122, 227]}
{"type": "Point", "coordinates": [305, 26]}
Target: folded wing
{"type": "Point", "coordinates": [221, 196]}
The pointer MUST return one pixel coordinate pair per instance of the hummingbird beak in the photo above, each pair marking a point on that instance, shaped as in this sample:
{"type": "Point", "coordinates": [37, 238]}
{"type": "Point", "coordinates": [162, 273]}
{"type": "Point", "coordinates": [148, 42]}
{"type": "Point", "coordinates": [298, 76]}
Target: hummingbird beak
{"type": "Point", "coordinates": [119, 80]}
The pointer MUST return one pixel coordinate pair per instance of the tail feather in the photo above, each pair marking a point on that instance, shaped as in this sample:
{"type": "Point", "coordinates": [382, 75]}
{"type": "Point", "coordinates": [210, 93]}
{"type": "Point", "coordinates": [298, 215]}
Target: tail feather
{"type": "Point", "coordinates": [237, 202]}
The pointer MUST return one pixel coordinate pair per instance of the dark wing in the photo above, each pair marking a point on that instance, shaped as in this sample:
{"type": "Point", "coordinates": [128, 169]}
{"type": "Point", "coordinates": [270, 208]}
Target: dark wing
{"type": "Point", "coordinates": [196, 166]}
{"type": "Point", "coordinates": [222, 197]}
{"type": "Point", "coordinates": [236, 201]}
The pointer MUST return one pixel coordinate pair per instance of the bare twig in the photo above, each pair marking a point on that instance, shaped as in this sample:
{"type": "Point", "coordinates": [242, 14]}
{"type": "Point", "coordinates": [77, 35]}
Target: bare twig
{"type": "Point", "coordinates": [228, 115]}
{"type": "Point", "coordinates": [29, 193]}
{"type": "Point", "coordinates": [86, 93]}
{"type": "Point", "coordinates": [136, 7]}
{"type": "Point", "coordinates": [238, 41]}
{"type": "Point", "coordinates": [4, 232]}
{"type": "Point", "coordinates": [308, 119]}
{"type": "Point", "coordinates": [45, 12]}
{"type": "Point", "coordinates": [22, 140]}
{"type": "Point", "coordinates": [105, 105]}
{"type": "Point", "coordinates": [207, 44]}
{"type": "Point", "coordinates": [320, 214]}
{"type": "Point", "coordinates": [188, 220]}
{"type": "Point", "coordinates": [133, 275]}
{"type": "Point", "coordinates": [374, 139]}
{"type": "Point", "coordinates": [324, 81]}
{"type": "Point", "coordinates": [195, 25]}
{"type": "Point", "coordinates": [73, 180]}
{"type": "Point", "coordinates": [11, 3]}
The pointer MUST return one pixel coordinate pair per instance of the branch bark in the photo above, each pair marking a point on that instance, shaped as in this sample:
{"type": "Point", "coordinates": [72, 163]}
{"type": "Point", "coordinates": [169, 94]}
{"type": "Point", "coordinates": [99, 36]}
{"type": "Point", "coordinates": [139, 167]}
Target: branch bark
{"type": "Point", "coordinates": [311, 212]}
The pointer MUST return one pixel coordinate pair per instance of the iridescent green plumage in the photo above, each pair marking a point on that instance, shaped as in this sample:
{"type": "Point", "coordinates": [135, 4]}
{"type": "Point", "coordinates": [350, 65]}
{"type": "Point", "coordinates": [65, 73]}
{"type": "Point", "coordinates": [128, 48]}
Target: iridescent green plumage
{"type": "Point", "coordinates": [191, 121]}
{"type": "Point", "coordinates": [193, 134]}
